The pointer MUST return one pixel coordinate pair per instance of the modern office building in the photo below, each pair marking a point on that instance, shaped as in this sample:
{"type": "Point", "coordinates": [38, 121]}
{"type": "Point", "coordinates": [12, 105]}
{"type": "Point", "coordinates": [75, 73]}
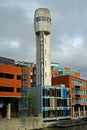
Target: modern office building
{"type": "Point", "coordinates": [14, 76]}
{"type": "Point", "coordinates": [42, 25]}
{"type": "Point", "coordinates": [78, 93]}
{"type": "Point", "coordinates": [52, 102]}
{"type": "Point", "coordinates": [15, 79]}
{"type": "Point", "coordinates": [10, 85]}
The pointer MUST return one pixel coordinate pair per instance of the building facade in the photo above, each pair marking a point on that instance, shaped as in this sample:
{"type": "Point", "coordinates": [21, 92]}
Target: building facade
{"type": "Point", "coordinates": [10, 85]}
{"type": "Point", "coordinates": [78, 93]}
{"type": "Point", "coordinates": [16, 78]}
{"type": "Point", "coordinates": [52, 102]}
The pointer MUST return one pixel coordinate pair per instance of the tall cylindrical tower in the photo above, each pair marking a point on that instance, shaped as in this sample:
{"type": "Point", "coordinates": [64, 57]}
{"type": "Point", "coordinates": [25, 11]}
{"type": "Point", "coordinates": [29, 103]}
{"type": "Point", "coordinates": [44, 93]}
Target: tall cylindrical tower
{"type": "Point", "coordinates": [42, 25]}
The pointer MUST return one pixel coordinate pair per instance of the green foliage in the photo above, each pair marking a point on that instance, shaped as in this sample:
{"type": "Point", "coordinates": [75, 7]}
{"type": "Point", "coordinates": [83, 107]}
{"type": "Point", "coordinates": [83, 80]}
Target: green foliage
{"type": "Point", "coordinates": [31, 104]}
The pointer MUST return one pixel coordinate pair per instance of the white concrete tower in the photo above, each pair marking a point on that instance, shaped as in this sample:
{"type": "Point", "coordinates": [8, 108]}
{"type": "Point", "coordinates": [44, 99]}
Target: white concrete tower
{"type": "Point", "coordinates": [42, 25]}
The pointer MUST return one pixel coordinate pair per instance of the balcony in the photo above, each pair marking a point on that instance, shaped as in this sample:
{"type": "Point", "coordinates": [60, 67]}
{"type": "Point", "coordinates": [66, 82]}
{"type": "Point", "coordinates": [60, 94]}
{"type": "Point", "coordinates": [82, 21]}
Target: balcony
{"type": "Point", "coordinates": [77, 102]}
{"type": "Point", "coordinates": [77, 85]}
{"type": "Point", "coordinates": [77, 92]}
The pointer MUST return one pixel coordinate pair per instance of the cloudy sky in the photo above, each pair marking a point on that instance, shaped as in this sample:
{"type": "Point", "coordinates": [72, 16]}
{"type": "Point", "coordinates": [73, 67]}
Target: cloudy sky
{"type": "Point", "coordinates": [68, 35]}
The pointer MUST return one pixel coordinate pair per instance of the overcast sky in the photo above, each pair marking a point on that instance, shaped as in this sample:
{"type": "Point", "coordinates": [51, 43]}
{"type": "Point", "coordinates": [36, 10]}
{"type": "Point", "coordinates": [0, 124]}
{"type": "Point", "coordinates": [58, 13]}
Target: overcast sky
{"type": "Point", "coordinates": [68, 35]}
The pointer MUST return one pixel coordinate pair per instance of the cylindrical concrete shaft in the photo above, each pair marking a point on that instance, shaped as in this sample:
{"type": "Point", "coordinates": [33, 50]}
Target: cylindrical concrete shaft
{"type": "Point", "coordinates": [42, 25]}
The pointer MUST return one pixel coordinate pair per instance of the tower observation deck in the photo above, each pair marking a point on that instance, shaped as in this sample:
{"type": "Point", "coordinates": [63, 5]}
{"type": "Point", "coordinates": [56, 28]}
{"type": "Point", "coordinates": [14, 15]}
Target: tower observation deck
{"type": "Point", "coordinates": [42, 25]}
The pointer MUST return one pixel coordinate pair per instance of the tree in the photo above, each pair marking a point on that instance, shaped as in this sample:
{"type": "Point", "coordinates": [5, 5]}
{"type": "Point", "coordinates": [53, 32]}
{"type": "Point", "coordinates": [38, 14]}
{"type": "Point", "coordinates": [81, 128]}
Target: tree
{"type": "Point", "coordinates": [31, 104]}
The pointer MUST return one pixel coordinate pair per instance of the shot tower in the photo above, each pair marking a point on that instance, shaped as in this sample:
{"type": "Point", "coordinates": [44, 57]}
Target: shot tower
{"type": "Point", "coordinates": [42, 25]}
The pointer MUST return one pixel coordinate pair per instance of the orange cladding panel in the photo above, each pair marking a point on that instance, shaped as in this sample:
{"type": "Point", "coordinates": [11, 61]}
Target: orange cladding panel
{"type": "Point", "coordinates": [10, 82]}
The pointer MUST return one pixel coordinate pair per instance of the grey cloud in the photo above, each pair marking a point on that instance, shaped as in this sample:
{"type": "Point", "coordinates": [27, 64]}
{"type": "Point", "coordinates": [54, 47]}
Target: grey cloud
{"type": "Point", "coordinates": [15, 26]}
{"type": "Point", "coordinates": [69, 21]}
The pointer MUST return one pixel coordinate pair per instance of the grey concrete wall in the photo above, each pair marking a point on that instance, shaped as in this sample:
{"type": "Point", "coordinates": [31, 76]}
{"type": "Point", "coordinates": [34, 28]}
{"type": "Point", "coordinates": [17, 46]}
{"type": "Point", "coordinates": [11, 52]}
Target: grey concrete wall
{"type": "Point", "coordinates": [36, 91]}
{"type": "Point", "coordinates": [21, 124]}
